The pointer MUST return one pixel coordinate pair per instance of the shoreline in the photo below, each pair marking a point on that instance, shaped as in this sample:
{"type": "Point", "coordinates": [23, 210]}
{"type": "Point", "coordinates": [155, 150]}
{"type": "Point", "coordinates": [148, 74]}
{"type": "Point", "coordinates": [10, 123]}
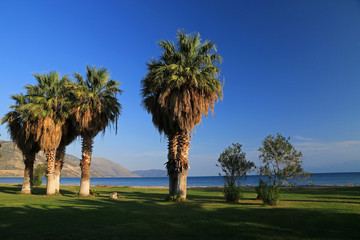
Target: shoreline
{"type": "Point", "coordinates": [200, 187]}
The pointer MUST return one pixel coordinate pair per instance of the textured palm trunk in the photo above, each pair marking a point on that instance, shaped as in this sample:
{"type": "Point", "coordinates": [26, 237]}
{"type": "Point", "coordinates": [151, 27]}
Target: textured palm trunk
{"type": "Point", "coordinates": [182, 164]}
{"type": "Point", "coordinates": [50, 173]}
{"type": "Point", "coordinates": [181, 184]}
{"type": "Point", "coordinates": [59, 163]}
{"type": "Point", "coordinates": [170, 165]}
{"type": "Point", "coordinates": [87, 145]}
{"type": "Point", "coordinates": [29, 159]}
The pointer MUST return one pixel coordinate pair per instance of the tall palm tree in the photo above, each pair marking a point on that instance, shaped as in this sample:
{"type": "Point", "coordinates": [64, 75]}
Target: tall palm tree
{"type": "Point", "coordinates": [48, 110]}
{"type": "Point", "coordinates": [97, 106]}
{"type": "Point", "coordinates": [178, 90]}
{"type": "Point", "coordinates": [69, 134]}
{"type": "Point", "coordinates": [17, 130]}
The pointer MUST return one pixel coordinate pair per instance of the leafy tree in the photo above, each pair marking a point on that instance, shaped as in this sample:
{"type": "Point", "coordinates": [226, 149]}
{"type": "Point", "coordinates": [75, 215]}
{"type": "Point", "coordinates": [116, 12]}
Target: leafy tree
{"type": "Point", "coordinates": [281, 164]}
{"type": "Point", "coordinates": [96, 107]}
{"type": "Point", "coordinates": [178, 90]}
{"type": "Point", "coordinates": [234, 165]}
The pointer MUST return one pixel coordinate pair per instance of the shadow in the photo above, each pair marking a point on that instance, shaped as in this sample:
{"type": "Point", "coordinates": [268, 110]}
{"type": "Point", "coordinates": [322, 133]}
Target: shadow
{"type": "Point", "coordinates": [11, 189]}
{"type": "Point", "coordinates": [89, 218]}
{"type": "Point", "coordinates": [40, 190]}
{"type": "Point", "coordinates": [143, 214]}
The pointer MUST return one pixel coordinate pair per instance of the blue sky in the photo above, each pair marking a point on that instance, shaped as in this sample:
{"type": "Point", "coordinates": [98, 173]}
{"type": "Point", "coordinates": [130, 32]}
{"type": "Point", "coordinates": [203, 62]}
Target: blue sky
{"type": "Point", "coordinates": [289, 66]}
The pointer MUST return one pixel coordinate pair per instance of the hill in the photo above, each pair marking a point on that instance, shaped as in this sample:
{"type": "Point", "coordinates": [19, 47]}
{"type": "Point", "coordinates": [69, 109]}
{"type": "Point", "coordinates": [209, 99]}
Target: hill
{"type": "Point", "coordinates": [110, 169]}
{"type": "Point", "coordinates": [151, 173]}
{"type": "Point", "coordinates": [11, 164]}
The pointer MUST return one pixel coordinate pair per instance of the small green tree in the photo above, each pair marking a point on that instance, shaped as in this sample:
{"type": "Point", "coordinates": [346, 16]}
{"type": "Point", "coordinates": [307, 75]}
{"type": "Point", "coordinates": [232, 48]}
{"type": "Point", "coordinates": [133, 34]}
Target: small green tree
{"type": "Point", "coordinates": [234, 165]}
{"type": "Point", "coordinates": [39, 173]}
{"type": "Point", "coordinates": [281, 163]}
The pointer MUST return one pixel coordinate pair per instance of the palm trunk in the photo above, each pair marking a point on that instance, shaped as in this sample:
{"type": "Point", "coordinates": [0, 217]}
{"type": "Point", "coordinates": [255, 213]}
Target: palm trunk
{"type": "Point", "coordinates": [59, 163]}
{"type": "Point", "coordinates": [50, 184]}
{"type": "Point", "coordinates": [182, 164]}
{"type": "Point", "coordinates": [170, 165]}
{"type": "Point", "coordinates": [27, 186]}
{"type": "Point", "coordinates": [87, 145]}
{"type": "Point", "coordinates": [181, 184]}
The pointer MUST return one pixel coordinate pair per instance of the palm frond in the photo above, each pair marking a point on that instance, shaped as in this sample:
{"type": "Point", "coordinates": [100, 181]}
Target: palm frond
{"type": "Point", "coordinates": [183, 85]}
{"type": "Point", "coordinates": [96, 103]}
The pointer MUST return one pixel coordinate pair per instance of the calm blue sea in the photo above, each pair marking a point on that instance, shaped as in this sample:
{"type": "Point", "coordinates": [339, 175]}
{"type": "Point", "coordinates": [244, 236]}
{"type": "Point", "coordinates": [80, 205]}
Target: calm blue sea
{"type": "Point", "coordinates": [253, 180]}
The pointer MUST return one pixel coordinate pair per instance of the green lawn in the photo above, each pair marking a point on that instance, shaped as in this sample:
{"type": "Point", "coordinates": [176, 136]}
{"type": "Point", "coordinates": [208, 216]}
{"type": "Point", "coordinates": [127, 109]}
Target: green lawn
{"type": "Point", "coordinates": [142, 213]}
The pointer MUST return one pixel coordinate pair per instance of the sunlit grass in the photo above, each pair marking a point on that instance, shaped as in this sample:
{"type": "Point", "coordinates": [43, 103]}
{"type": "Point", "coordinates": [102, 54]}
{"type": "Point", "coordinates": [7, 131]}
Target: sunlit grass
{"type": "Point", "coordinates": [143, 213]}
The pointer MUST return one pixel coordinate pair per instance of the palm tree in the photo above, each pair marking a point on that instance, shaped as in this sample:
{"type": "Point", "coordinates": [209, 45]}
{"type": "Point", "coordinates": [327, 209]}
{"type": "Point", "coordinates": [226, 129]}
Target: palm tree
{"type": "Point", "coordinates": [96, 107]}
{"type": "Point", "coordinates": [17, 130]}
{"type": "Point", "coordinates": [178, 89]}
{"type": "Point", "coordinates": [48, 110]}
{"type": "Point", "coordinates": [69, 134]}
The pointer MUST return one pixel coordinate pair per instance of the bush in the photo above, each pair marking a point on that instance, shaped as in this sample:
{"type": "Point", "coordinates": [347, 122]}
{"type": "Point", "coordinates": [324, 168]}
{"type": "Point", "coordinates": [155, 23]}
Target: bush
{"type": "Point", "coordinates": [37, 181]}
{"type": "Point", "coordinates": [233, 193]}
{"type": "Point", "coordinates": [267, 193]}
{"type": "Point", "coordinates": [38, 174]}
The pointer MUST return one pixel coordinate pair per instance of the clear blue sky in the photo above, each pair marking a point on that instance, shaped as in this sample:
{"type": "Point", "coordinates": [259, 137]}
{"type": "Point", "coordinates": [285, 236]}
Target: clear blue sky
{"type": "Point", "coordinates": [290, 66]}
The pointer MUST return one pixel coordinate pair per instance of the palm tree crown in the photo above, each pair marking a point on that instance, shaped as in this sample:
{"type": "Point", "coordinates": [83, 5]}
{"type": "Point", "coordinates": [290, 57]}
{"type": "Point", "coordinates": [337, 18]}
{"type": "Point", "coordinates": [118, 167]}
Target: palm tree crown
{"type": "Point", "coordinates": [47, 108]}
{"type": "Point", "coordinates": [183, 84]}
{"type": "Point", "coordinates": [17, 126]}
{"type": "Point", "coordinates": [96, 104]}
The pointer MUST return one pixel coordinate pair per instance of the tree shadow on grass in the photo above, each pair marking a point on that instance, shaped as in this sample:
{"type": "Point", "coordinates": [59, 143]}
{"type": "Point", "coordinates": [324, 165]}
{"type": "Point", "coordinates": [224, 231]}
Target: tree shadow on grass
{"type": "Point", "coordinates": [11, 189]}
{"type": "Point", "coordinates": [101, 218]}
{"type": "Point", "coordinates": [160, 194]}
{"type": "Point", "coordinates": [142, 214]}
{"type": "Point", "coordinates": [40, 190]}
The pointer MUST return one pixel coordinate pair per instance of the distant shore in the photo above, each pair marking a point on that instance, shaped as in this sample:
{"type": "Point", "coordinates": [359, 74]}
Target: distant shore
{"type": "Point", "coordinates": [318, 180]}
{"type": "Point", "coordinates": [201, 187]}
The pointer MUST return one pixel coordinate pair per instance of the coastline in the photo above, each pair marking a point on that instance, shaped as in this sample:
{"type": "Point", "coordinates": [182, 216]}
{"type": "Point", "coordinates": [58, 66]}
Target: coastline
{"type": "Point", "coordinates": [199, 187]}
{"type": "Point", "coordinates": [316, 180]}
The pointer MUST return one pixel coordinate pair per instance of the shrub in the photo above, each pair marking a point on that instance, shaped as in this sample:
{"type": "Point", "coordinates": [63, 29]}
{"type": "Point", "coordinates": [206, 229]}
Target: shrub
{"type": "Point", "coordinates": [267, 193]}
{"type": "Point", "coordinates": [38, 174]}
{"type": "Point", "coordinates": [233, 193]}
{"type": "Point", "coordinates": [37, 181]}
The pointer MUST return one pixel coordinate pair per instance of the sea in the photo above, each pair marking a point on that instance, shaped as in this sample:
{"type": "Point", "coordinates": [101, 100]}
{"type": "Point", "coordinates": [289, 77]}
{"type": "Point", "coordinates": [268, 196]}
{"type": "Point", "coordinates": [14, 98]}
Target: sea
{"type": "Point", "coordinates": [316, 179]}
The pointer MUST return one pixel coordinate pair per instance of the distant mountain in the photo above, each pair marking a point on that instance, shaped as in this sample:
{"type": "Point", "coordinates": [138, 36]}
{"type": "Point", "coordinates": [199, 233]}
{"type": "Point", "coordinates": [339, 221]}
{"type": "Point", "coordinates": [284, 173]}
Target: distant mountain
{"type": "Point", "coordinates": [12, 165]}
{"type": "Point", "coordinates": [151, 173]}
{"type": "Point", "coordinates": [110, 169]}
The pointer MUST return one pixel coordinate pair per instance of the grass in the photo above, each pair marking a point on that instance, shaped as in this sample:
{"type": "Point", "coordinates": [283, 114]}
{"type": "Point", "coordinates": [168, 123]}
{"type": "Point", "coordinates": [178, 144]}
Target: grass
{"type": "Point", "coordinates": [142, 213]}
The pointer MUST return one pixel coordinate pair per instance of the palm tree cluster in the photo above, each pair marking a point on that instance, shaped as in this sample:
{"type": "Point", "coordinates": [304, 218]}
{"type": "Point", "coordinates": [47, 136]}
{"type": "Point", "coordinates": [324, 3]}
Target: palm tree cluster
{"type": "Point", "coordinates": [54, 112]}
{"type": "Point", "coordinates": [178, 90]}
